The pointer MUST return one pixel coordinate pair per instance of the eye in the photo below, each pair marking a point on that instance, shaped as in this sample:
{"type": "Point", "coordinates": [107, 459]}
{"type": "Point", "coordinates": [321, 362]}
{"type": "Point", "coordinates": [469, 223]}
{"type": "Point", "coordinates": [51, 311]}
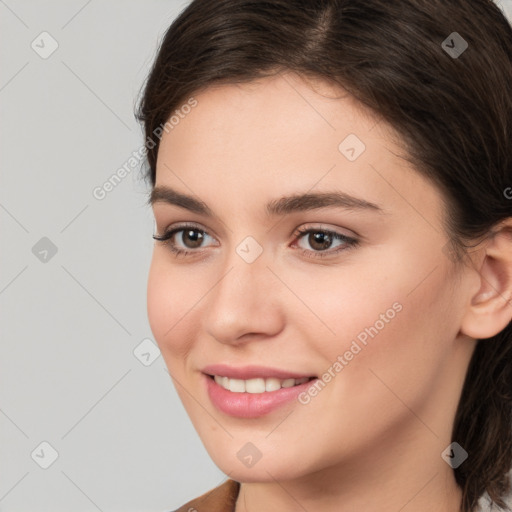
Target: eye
{"type": "Point", "coordinates": [189, 239]}
{"type": "Point", "coordinates": [188, 236]}
{"type": "Point", "coordinates": [320, 240]}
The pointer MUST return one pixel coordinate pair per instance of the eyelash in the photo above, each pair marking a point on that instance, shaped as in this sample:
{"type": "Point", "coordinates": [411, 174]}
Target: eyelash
{"type": "Point", "coordinates": [349, 242]}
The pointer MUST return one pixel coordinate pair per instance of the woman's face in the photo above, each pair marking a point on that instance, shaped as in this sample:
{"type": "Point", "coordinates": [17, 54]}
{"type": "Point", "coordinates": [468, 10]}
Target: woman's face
{"type": "Point", "coordinates": [367, 296]}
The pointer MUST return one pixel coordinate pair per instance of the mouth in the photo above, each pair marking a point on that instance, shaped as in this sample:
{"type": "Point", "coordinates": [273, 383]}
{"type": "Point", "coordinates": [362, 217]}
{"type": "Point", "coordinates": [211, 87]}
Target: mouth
{"type": "Point", "coordinates": [256, 396]}
{"type": "Point", "coordinates": [257, 384]}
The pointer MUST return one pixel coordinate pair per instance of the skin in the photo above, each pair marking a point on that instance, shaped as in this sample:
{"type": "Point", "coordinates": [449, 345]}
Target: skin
{"type": "Point", "coordinates": [372, 438]}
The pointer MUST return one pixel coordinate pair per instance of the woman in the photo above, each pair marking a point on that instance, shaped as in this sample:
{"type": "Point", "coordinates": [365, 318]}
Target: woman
{"type": "Point", "coordinates": [332, 279]}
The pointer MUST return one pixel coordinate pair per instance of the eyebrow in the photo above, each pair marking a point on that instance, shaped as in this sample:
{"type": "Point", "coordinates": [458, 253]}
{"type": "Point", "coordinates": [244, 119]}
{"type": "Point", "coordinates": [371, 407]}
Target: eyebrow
{"type": "Point", "coordinates": [284, 205]}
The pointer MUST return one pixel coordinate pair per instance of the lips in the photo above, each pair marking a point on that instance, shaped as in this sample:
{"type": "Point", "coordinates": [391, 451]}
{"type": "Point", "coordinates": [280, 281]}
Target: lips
{"type": "Point", "coordinates": [252, 372]}
{"type": "Point", "coordinates": [255, 404]}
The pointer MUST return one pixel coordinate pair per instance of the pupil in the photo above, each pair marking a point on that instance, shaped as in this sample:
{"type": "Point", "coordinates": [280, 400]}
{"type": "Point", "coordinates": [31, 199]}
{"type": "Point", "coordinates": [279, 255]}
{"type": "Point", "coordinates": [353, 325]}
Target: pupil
{"type": "Point", "coordinates": [195, 236]}
{"type": "Point", "coordinates": [323, 239]}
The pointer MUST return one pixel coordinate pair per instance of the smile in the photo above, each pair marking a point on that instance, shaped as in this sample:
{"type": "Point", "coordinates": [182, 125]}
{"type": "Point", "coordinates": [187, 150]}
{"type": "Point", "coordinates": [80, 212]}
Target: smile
{"type": "Point", "coordinates": [257, 385]}
{"type": "Point", "coordinates": [255, 397]}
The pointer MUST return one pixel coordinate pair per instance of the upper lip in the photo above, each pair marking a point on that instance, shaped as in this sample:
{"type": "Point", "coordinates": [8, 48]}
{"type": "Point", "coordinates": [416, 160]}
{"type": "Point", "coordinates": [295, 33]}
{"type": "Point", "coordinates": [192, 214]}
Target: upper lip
{"type": "Point", "coordinates": [251, 372]}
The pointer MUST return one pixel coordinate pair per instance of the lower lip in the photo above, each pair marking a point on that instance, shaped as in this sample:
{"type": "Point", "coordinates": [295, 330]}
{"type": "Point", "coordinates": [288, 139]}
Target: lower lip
{"type": "Point", "coordinates": [251, 405]}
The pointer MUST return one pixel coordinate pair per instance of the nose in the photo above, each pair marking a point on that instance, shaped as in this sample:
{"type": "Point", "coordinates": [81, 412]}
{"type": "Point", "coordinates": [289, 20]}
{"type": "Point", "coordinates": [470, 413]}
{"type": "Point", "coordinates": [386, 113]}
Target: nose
{"type": "Point", "coordinates": [245, 304]}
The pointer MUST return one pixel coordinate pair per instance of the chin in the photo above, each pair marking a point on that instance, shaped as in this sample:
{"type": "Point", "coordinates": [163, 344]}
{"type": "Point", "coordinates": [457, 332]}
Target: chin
{"type": "Point", "coordinates": [267, 469]}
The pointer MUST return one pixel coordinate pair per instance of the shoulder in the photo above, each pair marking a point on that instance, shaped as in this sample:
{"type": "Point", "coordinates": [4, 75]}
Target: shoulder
{"type": "Point", "coordinates": [220, 499]}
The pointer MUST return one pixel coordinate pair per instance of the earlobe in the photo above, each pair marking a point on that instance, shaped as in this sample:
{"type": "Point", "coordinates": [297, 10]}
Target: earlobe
{"type": "Point", "coordinates": [490, 308]}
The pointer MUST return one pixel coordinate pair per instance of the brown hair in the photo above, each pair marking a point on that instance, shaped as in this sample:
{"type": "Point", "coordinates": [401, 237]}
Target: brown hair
{"type": "Point", "coordinates": [452, 112]}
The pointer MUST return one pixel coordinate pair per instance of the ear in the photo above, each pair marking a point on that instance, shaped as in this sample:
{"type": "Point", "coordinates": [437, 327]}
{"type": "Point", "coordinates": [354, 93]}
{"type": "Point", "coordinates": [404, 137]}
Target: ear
{"type": "Point", "coordinates": [490, 309]}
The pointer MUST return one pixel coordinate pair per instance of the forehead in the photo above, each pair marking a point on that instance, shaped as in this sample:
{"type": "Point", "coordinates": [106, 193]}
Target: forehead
{"type": "Point", "coordinates": [299, 104]}
{"type": "Point", "coordinates": [269, 119]}
{"type": "Point", "coordinates": [282, 134]}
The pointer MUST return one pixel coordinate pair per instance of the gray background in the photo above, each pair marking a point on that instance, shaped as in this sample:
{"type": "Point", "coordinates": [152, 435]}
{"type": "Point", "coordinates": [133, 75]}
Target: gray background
{"type": "Point", "coordinates": [73, 372]}
{"type": "Point", "coordinates": [70, 325]}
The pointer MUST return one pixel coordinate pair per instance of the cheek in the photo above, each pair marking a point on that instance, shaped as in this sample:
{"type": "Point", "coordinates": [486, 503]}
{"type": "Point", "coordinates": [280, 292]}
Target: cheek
{"type": "Point", "coordinates": [170, 307]}
{"type": "Point", "coordinates": [393, 341]}
{"type": "Point", "coordinates": [391, 320]}
{"type": "Point", "coordinates": [408, 356]}
{"type": "Point", "coordinates": [339, 304]}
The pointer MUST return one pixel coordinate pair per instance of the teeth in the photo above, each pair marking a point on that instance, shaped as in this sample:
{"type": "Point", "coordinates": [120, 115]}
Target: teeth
{"type": "Point", "coordinates": [258, 385]}
{"type": "Point", "coordinates": [236, 385]}
{"type": "Point", "coordinates": [288, 383]}
{"type": "Point", "coordinates": [272, 384]}
{"type": "Point", "coordinates": [253, 385]}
